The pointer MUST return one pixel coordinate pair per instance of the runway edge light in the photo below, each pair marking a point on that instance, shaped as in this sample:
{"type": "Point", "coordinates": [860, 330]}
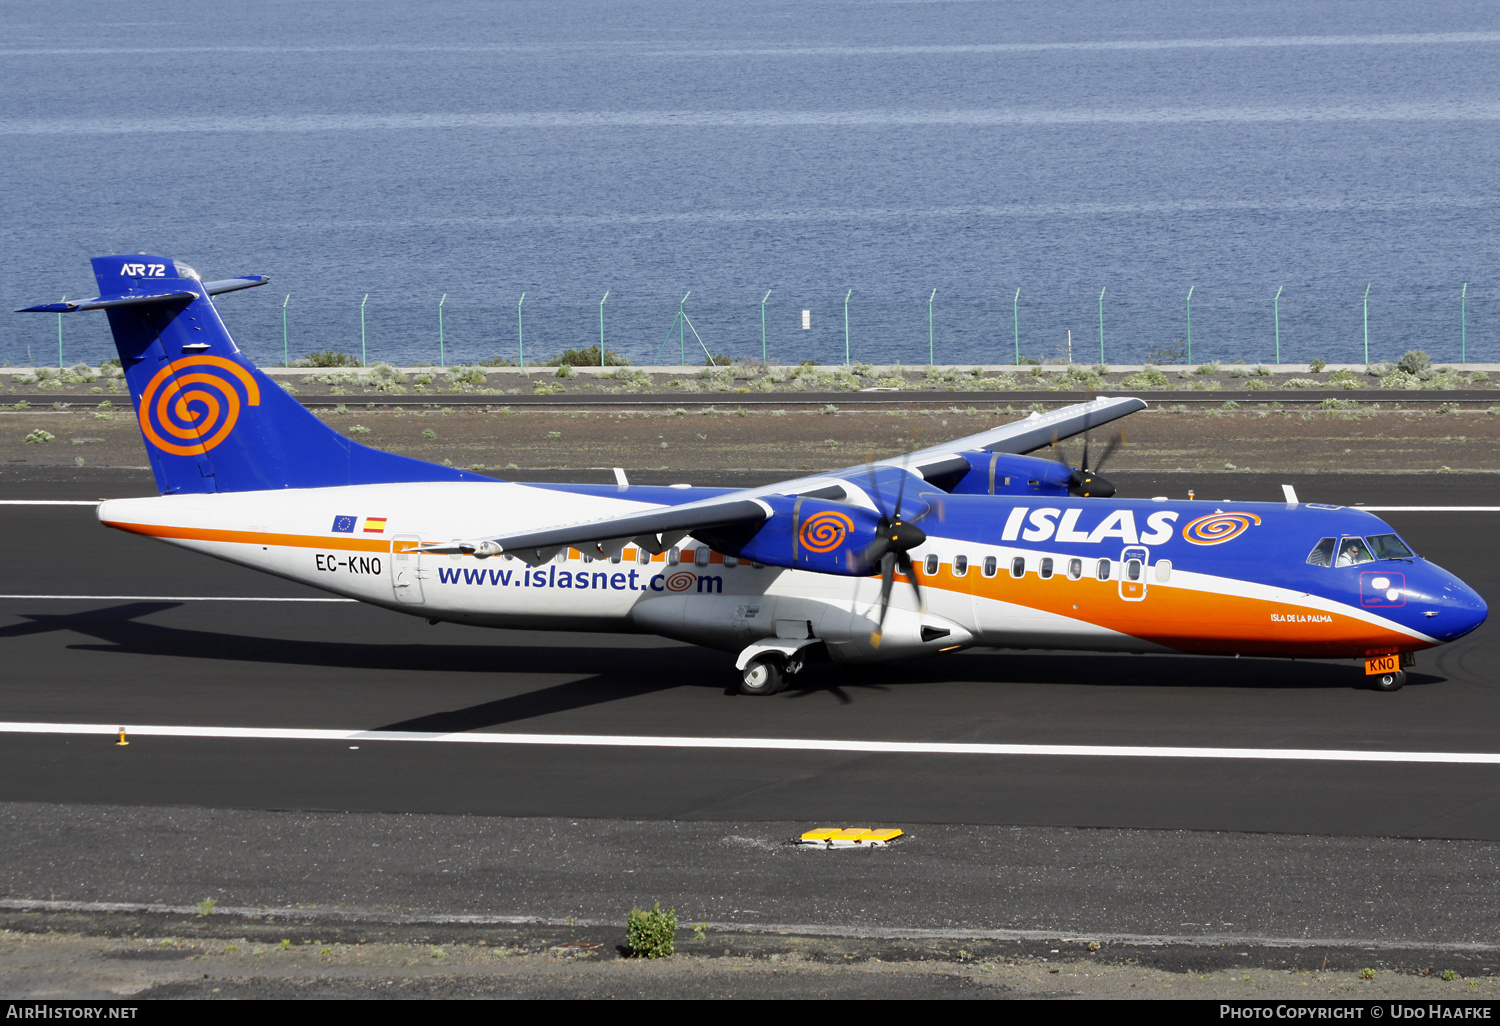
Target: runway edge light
{"type": "Point", "coordinates": [850, 837]}
{"type": "Point", "coordinates": [122, 740]}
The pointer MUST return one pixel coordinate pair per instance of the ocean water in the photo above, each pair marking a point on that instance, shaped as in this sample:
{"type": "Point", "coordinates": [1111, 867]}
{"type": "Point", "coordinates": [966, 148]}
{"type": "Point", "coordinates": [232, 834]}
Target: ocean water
{"type": "Point", "coordinates": [921, 160]}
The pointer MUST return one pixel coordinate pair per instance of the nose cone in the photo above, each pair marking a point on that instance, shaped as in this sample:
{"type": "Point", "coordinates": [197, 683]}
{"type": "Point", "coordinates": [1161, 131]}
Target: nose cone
{"type": "Point", "coordinates": [1459, 609]}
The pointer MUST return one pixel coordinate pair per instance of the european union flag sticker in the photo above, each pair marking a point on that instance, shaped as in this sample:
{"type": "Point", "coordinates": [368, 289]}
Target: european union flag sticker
{"type": "Point", "coordinates": [344, 525]}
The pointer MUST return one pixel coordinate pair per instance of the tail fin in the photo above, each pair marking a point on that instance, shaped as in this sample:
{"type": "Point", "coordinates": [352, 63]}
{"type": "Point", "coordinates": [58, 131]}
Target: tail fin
{"type": "Point", "coordinates": [212, 422]}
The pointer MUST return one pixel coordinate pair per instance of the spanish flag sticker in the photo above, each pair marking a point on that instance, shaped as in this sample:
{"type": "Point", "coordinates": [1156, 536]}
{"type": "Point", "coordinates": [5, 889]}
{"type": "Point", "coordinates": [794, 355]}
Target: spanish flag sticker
{"type": "Point", "coordinates": [374, 525]}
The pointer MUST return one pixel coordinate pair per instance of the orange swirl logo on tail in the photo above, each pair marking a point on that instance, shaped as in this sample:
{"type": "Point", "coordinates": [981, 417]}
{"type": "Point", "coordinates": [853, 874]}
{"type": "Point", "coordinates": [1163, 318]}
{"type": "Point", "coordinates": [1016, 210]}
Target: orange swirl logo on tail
{"type": "Point", "coordinates": [1218, 527]}
{"type": "Point", "coordinates": [825, 532]}
{"type": "Point", "coordinates": [195, 400]}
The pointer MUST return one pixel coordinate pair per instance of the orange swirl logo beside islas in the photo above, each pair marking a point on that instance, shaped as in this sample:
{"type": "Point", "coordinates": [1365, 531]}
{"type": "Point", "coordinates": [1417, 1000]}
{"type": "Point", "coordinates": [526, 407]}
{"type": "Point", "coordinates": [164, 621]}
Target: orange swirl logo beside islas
{"type": "Point", "coordinates": [825, 532]}
{"type": "Point", "coordinates": [1217, 528]}
{"type": "Point", "coordinates": [192, 404]}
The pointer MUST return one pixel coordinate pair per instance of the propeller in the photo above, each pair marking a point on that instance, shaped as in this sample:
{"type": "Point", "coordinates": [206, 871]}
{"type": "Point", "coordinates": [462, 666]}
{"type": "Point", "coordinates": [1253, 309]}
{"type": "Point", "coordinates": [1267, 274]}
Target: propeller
{"type": "Point", "coordinates": [894, 538]}
{"type": "Point", "coordinates": [1084, 481]}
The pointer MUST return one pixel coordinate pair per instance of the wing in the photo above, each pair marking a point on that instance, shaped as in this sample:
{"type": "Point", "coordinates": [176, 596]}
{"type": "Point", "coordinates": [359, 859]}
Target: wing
{"type": "Point", "coordinates": [658, 529]}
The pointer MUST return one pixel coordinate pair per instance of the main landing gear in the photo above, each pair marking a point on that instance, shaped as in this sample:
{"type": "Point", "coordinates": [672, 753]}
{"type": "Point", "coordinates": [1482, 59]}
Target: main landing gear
{"type": "Point", "coordinates": [769, 673]}
{"type": "Point", "coordinates": [1388, 681]}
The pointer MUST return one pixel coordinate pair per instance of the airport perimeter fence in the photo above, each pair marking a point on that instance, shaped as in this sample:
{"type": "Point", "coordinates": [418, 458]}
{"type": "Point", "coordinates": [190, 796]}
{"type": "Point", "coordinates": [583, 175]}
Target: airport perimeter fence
{"type": "Point", "coordinates": [1456, 324]}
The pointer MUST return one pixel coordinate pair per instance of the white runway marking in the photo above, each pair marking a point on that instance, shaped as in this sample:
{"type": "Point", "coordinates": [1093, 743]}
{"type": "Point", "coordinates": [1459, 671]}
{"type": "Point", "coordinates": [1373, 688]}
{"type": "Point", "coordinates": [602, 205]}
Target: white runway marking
{"type": "Point", "coordinates": [169, 598]}
{"type": "Point", "coordinates": [758, 743]}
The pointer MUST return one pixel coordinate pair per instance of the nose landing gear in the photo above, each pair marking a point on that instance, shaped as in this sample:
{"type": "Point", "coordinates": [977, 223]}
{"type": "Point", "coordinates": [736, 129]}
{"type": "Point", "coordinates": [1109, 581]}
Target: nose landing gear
{"type": "Point", "coordinates": [1388, 681]}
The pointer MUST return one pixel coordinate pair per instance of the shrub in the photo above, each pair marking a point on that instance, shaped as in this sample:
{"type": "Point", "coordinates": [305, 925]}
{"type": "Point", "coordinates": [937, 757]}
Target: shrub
{"type": "Point", "coordinates": [1301, 383]}
{"type": "Point", "coordinates": [1260, 370]}
{"type": "Point", "coordinates": [1379, 370]}
{"type": "Point", "coordinates": [429, 434]}
{"type": "Point", "coordinates": [587, 358]}
{"type": "Point", "coordinates": [1256, 385]}
{"type": "Point", "coordinates": [331, 358]}
{"type": "Point", "coordinates": [1345, 379]}
{"type": "Point", "coordinates": [38, 436]}
{"type": "Point", "coordinates": [1448, 976]}
{"type": "Point", "coordinates": [1400, 380]}
{"type": "Point", "coordinates": [1414, 362]}
{"type": "Point", "coordinates": [1337, 404]}
{"type": "Point", "coordinates": [358, 429]}
{"type": "Point", "coordinates": [1230, 405]}
{"type": "Point", "coordinates": [458, 376]}
{"type": "Point", "coordinates": [1479, 378]}
{"type": "Point", "coordinates": [652, 933]}
{"type": "Point", "coordinates": [1317, 365]}
{"type": "Point", "coordinates": [1208, 368]}
{"type": "Point", "coordinates": [1147, 377]}
{"type": "Point", "coordinates": [111, 368]}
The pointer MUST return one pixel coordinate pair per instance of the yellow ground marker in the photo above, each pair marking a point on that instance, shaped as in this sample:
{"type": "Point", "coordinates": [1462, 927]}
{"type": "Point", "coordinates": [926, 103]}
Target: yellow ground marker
{"type": "Point", "coordinates": [850, 837]}
{"type": "Point", "coordinates": [122, 740]}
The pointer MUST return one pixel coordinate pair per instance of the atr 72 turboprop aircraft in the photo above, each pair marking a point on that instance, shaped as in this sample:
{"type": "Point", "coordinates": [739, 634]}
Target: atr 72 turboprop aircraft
{"type": "Point", "coordinates": [991, 547]}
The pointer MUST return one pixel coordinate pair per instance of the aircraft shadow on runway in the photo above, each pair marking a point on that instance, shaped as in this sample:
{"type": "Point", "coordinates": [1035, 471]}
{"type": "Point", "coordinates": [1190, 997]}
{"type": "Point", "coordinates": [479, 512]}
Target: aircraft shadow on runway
{"type": "Point", "coordinates": [618, 673]}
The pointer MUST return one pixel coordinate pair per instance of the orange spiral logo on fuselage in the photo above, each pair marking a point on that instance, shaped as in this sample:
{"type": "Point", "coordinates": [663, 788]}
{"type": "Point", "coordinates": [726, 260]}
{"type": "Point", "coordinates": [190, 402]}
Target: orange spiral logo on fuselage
{"type": "Point", "coordinates": [1218, 527]}
{"type": "Point", "coordinates": [682, 580]}
{"type": "Point", "coordinates": [825, 532]}
{"type": "Point", "coordinates": [195, 400]}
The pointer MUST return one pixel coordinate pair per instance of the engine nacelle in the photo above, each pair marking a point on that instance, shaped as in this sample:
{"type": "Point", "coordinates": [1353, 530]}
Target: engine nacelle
{"type": "Point", "coordinates": [1000, 473]}
{"type": "Point", "coordinates": [803, 534]}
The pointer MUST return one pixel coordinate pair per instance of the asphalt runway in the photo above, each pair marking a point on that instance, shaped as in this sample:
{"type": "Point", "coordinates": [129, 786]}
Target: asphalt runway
{"type": "Point", "coordinates": [155, 655]}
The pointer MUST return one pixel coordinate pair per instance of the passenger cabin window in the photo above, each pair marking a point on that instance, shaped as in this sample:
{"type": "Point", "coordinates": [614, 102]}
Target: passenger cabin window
{"type": "Point", "coordinates": [1044, 571]}
{"type": "Point", "coordinates": [1075, 569]}
{"type": "Point", "coordinates": [1163, 570]}
{"type": "Point", "coordinates": [586, 557]}
{"type": "Point", "coordinates": [731, 561]}
{"type": "Point", "coordinates": [674, 556]}
{"type": "Point", "coordinates": [642, 556]}
{"type": "Point", "coordinates": [1388, 546]}
{"type": "Point", "coordinates": [1102, 570]}
{"type": "Point", "coordinates": [1018, 567]}
{"type": "Point", "coordinates": [700, 558]}
{"type": "Point", "coordinates": [615, 558]}
{"type": "Point", "coordinates": [991, 566]}
{"type": "Point", "coordinates": [1322, 553]}
{"type": "Point", "coordinates": [960, 565]}
{"type": "Point", "coordinates": [1353, 551]}
{"type": "Point", "coordinates": [1132, 569]}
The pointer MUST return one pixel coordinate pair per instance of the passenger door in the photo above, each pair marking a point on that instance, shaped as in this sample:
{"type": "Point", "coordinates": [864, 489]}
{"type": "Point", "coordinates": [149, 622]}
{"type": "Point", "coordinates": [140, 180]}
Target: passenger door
{"type": "Point", "coordinates": [1133, 563]}
{"type": "Point", "coordinates": [406, 569]}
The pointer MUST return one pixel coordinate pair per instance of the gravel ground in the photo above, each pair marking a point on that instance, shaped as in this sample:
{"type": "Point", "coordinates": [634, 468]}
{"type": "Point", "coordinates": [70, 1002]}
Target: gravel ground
{"type": "Point", "coordinates": [507, 441]}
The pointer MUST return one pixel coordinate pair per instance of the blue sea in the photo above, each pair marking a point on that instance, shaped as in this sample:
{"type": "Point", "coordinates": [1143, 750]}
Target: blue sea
{"type": "Point", "coordinates": [971, 178]}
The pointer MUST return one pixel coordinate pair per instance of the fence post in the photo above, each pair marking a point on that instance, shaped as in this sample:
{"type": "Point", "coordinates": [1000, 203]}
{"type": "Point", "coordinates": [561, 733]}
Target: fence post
{"type": "Point", "coordinates": [1276, 313]}
{"type": "Point", "coordinates": [929, 326]}
{"type": "Point", "coordinates": [59, 337]}
{"type": "Point", "coordinates": [1101, 324]}
{"type": "Point", "coordinates": [846, 326]}
{"type": "Point", "coordinates": [1463, 324]}
{"type": "Point", "coordinates": [601, 328]}
{"type": "Point", "coordinates": [1015, 314]}
{"type": "Point", "coordinates": [442, 349]}
{"type": "Point", "coordinates": [521, 333]}
{"type": "Point", "coordinates": [286, 356]}
{"type": "Point", "coordinates": [363, 359]}
{"type": "Point", "coordinates": [1367, 325]}
{"type": "Point", "coordinates": [681, 328]}
{"type": "Point", "coordinates": [763, 325]}
{"type": "Point", "coordinates": [1190, 323]}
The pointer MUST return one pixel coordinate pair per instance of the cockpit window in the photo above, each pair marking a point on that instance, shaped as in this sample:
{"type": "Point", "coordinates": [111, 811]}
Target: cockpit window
{"type": "Point", "coordinates": [1388, 546]}
{"type": "Point", "coordinates": [1353, 551]}
{"type": "Point", "coordinates": [1322, 553]}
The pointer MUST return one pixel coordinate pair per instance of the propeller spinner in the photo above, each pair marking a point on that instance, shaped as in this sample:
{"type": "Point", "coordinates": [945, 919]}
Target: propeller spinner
{"type": "Point", "coordinates": [1085, 481]}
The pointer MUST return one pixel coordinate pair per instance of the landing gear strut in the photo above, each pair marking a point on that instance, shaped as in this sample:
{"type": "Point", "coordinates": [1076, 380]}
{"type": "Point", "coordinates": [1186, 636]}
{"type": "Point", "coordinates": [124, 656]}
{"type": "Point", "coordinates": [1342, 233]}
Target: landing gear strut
{"type": "Point", "coordinates": [768, 674]}
{"type": "Point", "coordinates": [1388, 681]}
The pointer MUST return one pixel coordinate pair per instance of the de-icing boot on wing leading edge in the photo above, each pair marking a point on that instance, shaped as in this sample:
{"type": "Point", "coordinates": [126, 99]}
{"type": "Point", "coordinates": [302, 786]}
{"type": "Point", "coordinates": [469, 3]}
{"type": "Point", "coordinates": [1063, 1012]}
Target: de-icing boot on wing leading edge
{"type": "Point", "coordinates": [212, 422]}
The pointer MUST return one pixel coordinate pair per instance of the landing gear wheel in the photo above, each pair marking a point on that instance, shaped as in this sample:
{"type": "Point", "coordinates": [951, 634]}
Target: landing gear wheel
{"type": "Point", "coordinates": [762, 676]}
{"type": "Point", "coordinates": [1388, 681]}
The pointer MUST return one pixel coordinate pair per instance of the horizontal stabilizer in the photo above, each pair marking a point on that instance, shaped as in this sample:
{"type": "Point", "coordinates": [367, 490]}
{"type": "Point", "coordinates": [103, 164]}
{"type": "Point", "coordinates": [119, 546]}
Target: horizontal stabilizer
{"type": "Point", "coordinates": [106, 302]}
{"type": "Point", "coordinates": [249, 281]}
